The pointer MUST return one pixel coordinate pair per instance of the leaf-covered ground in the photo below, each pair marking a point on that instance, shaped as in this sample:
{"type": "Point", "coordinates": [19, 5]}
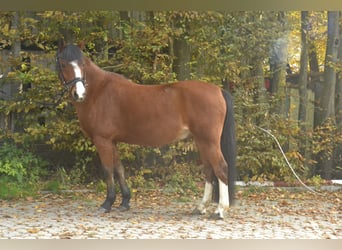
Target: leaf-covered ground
{"type": "Point", "coordinates": [264, 213]}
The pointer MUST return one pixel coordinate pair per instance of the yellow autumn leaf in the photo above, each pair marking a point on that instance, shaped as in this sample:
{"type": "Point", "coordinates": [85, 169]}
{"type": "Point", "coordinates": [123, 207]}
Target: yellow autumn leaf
{"type": "Point", "coordinates": [33, 230]}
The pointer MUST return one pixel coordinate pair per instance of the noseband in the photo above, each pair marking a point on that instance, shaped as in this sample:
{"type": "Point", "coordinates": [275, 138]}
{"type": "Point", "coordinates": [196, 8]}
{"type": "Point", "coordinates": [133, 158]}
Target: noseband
{"type": "Point", "coordinates": [70, 84]}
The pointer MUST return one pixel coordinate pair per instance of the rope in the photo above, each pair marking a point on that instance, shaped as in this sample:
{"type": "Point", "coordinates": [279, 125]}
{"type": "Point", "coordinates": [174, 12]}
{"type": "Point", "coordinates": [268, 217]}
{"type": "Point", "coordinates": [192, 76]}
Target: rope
{"type": "Point", "coordinates": [54, 104]}
{"type": "Point", "coordinates": [288, 163]}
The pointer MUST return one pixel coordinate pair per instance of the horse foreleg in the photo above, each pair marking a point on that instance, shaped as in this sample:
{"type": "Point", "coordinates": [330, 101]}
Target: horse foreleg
{"type": "Point", "coordinates": [119, 173]}
{"type": "Point", "coordinates": [105, 150]}
{"type": "Point", "coordinates": [111, 196]}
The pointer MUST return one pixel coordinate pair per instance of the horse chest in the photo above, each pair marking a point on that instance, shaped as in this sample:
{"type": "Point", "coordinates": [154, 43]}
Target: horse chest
{"type": "Point", "coordinates": [89, 123]}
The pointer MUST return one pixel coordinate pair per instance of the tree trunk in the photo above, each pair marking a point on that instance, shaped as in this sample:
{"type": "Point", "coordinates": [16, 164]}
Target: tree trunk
{"type": "Point", "coordinates": [278, 65]}
{"type": "Point", "coordinates": [260, 79]}
{"type": "Point", "coordinates": [124, 16]}
{"type": "Point", "coordinates": [313, 61]}
{"type": "Point", "coordinates": [181, 52]}
{"type": "Point", "coordinates": [338, 90]}
{"type": "Point", "coordinates": [67, 34]}
{"type": "Point", "coordinates": [338, 100]}
{"type": "Point", "coordinates": [327, 99]}
{"type": "Point", "coordinates": [15, 49]}
{"type": "Point", "coordinates": [124, 19]}
{"type": "Point", "coordinates": [182, 56]}
{"type": "Point", "coordinates": [278, 86]}
{"type": "Point", "coordinates": [278, 61]}
{"type": "Point", "coordinates": [303, 72]}
{"type": "Point", "coordinates": [303, 82]}
{"type": "Point", "coordinates": [315, 76]}
{"type": "Point", "coordinates": [338, 108]}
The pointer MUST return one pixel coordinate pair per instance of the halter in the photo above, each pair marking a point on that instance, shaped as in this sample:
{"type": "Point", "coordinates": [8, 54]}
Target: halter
{"type": "Point", "coordinates": [70, 84]}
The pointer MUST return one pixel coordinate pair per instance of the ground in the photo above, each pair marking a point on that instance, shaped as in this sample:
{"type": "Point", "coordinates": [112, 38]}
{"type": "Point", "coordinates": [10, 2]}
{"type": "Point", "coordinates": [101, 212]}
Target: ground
{"type": "Point", "coordinates": [258, 214]}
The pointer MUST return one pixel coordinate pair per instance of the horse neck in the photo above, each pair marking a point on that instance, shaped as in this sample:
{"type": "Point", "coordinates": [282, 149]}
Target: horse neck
{"type": "Point", "coordinates": [96, 75]}
{"type": "Point", "coordinates": [93, 72]}
{"type": "Point", "coordinates": [93, 75]}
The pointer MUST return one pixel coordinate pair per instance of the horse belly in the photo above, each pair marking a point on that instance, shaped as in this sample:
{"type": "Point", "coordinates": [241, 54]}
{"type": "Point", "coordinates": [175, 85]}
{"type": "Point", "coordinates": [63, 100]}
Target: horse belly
{"type": "Point", "coordinates": [157, 136]}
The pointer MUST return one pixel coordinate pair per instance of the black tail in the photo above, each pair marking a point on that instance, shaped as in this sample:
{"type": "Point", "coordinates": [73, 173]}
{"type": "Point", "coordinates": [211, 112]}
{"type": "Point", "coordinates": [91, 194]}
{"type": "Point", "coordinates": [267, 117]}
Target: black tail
{"type": "Point", "coordinates": [228, 148]}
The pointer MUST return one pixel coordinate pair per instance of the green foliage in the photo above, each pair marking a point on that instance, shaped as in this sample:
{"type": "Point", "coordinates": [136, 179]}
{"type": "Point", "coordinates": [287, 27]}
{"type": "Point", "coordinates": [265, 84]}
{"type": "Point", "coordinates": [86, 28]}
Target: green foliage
{"type": "Point", "coordinates": [19, 164]}
{"type": "Point", "coordinates": [140, 180]}
{"type": "Point", "coordinates": [100, 186]}
{"type": "Point", "coordinates": [10, 189]}
{"type": "Point", "coordinates": [142, 51]}
{"type": "Point", "coordinates": [259, 158]}
{"type": "Point", "coordinates": [316, 181]}
{"type": "Point", "coordinates": [183, 180]}
{"type": "Point", "coordinates": [325, 139]}
{"type": "Point", "coordinates": [53, 186]}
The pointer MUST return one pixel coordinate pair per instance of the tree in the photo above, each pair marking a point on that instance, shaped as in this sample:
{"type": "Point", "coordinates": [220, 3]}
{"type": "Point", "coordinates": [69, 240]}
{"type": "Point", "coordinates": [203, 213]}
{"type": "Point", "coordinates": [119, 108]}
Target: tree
{"type": "Point", "coordinates": [326, 106]}
{"type": "Point", "coordinates": [302, 84]}
{"type": "Point", "coordinates": [303, 72]}
{"type": "Point", "coordinates": [181, 47]}
{"type": "Point", "coordinates": [338, 100]}
{"type": "Point", "coordinates": [278, 61]}
{"type": "Point", "coordinates": [14, 59]}
{"type": "Point", "coordinates": [327, 98]}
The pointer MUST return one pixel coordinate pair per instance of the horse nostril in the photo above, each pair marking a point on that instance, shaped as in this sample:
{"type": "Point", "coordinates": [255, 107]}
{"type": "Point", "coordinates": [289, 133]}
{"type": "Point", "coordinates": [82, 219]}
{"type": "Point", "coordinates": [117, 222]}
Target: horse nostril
{"type": "Point", "coordinates": [78, 98]}
{"type": "Point", "coordinates": [74, 95]}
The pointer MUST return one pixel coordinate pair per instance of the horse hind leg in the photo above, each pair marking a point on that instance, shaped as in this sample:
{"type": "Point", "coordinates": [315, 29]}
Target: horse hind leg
{"type": "Point", "coordinates": [208, 191]}
{"type": "Point", "coordinates": [221, 171]}
{"type": "Point", "coordinates": [216, 166]}
{"type": "Point", "coordinates": [223, 199]}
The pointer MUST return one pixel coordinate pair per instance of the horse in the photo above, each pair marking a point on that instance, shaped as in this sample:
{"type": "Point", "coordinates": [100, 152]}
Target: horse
{"type": "Point", "coordinates": [112, 109]}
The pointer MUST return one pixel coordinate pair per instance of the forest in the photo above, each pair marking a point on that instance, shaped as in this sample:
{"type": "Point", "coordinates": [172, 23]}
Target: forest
{"type": "Point", "coordinates": [283, 69]}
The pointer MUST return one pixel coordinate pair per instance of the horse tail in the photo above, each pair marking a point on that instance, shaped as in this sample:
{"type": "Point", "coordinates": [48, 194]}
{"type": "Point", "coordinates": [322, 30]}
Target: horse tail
{"type": "Point", "coordinates": [228, 148]}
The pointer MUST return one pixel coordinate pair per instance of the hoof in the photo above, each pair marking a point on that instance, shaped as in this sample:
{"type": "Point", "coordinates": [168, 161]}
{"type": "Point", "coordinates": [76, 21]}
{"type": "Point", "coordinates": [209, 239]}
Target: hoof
{"type": "Point", "coordinates": [216, 216]}
{"type": "Point", "coordinates": [122, 208]}
{"type": "Point", "coordinates": [104, 210]}
{"type": "Point", "coordinates": [197, 211]}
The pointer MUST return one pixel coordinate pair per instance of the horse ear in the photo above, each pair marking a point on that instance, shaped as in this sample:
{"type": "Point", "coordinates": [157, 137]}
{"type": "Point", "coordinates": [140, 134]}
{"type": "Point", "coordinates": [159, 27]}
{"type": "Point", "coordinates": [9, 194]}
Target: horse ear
{"type": "Point", "coordinates": [61, 44]}
{"type": "Point", "coordinates": [81, 45]}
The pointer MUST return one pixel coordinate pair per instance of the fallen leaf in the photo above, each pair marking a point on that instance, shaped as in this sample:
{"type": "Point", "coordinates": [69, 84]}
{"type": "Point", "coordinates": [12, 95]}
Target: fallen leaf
{"type": "Point", "coordinates": [33, 230]}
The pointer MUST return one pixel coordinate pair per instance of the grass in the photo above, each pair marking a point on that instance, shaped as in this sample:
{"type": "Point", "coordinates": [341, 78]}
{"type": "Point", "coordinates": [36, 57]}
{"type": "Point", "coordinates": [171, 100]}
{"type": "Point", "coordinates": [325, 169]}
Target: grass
{"type": "Point", "coordinates": [12, 190]}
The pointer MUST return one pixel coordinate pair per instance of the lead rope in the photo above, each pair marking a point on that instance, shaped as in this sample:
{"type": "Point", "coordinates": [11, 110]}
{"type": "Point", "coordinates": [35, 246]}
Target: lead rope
{"type": "Point", "coordinates": [54, 104]}
{"type": "Point", "coordinates": [288, 163]}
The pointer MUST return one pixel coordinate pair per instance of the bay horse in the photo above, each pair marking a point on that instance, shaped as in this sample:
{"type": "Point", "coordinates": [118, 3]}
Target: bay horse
{"type": "Point", "coordinates": [113, 109]}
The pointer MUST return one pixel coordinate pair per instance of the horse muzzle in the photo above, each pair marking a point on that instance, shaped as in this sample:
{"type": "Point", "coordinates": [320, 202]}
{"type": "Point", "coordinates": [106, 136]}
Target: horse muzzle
{"type": "Point", "coordinates": [78, 92]}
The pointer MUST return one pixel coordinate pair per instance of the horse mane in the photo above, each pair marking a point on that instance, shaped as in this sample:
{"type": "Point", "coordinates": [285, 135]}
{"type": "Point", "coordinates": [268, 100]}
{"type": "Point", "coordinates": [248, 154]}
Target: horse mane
{"type": "Point", "coordinates": [71, 53]}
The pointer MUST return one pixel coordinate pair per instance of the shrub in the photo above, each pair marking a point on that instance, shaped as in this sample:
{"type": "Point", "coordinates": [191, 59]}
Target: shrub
{"type": "Point", "coordinates": [184, 180]}
{"type": "Point", "coordinates": [20, 165]}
